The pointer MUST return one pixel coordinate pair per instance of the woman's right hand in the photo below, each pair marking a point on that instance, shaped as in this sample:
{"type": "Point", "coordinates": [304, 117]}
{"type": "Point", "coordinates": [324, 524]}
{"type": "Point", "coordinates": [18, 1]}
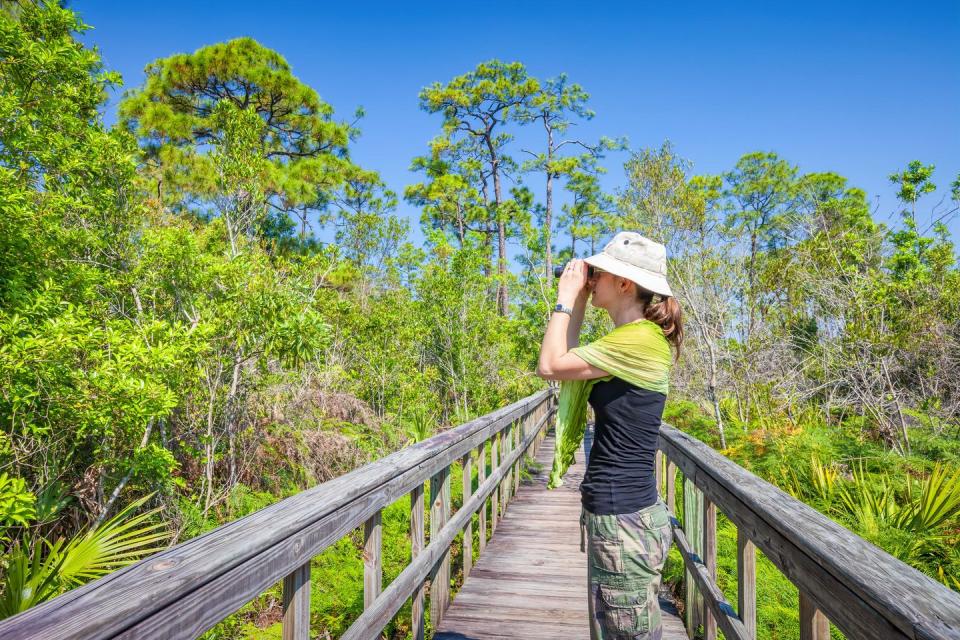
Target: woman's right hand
{"type": "Point", "coordinates": [573, 283]}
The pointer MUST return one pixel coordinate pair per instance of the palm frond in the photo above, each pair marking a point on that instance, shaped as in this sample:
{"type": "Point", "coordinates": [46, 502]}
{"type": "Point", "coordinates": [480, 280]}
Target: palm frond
{"type": "Point", "coordinates": [40, 570]}
{"type": "Point", "coordinates": [937, 503]}
{"type": "Point", "coordinates": [117, 542]}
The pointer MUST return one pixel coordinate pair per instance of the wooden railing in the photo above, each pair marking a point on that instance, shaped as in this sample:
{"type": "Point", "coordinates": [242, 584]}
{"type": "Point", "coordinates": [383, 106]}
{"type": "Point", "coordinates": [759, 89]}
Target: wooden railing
{"type": "Point", "coordinates": [865, 592]}
{"type": "Point", "coordinates": [187, 589]}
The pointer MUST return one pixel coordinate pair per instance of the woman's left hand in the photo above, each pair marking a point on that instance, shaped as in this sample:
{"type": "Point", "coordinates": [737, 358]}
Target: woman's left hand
{"type": "Point", "coordinates": [573, 282]}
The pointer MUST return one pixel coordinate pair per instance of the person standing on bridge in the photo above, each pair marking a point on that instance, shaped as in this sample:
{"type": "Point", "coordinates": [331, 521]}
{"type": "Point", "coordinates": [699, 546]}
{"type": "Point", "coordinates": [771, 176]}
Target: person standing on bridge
{"type": "Point", "coordinates": [625, 528]}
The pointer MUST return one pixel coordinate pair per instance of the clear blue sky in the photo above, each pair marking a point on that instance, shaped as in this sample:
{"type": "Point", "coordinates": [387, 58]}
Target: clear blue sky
{"type": "Point", "coordinates": [859, 88]}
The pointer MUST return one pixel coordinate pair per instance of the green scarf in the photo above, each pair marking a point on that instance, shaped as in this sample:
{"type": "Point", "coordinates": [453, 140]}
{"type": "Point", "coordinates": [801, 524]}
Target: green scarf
{"type": "Point", "coordinates": [636, 352]}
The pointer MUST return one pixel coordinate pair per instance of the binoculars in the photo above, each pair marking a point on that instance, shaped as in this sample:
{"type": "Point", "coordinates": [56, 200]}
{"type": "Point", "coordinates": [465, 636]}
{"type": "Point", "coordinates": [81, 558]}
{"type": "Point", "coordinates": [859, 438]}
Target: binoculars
{"type": "Point", "coordinates": [558, 271]}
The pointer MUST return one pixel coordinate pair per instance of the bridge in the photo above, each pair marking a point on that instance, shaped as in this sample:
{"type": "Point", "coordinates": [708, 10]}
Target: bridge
{"type": "Point", "coordinates": [529, 579]}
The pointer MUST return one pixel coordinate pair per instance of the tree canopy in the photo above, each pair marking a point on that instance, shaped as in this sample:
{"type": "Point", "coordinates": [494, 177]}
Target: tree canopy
{"type": "Point", "coordinates": [177, 116]}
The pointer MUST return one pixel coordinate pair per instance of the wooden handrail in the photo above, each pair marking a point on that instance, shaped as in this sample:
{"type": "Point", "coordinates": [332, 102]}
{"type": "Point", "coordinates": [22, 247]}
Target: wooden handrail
{"type": "Point", "coordinates": [393, 597]}
{"type": "Point", "coordinates": [187, 589]}
{"type": "Point", "coordinates": [842, 578]}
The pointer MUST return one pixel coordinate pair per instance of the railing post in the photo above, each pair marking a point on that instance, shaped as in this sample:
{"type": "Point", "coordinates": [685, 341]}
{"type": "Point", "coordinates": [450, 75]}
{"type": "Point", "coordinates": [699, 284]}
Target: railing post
{"type": "Point", "coordinates": [481, 476]}
{"type": "Point", "coordinates": [747, 583]}
{"type": "Point", "coordinates": [658, 472]}
{"type": "Point", "coordinates": [535, 445]}
{"type": "Point", "coordinates": [518, 435]}
{"type": "Point", "coordinates": [468, 529]}
{"type": "Point", "coordinates": [710, 561]}
{"type": "Point", "coordinates": [416, 548]}
{"type": "Point", "coordinates": [671, 487]}
{"type": "Point", "coordinates": [439, 514]}
{"type": "Point", "coordinates": [296, 604]}
{"type": "Point", "coordinates": [372, 564]}
{"type": "Point", "coordinates": [495, 492]}
{"type": "Point", "coordinates": [504, 487]}
{"type": "Point", "coordinates": [692, 527]}
{"type": "Point", "coordinates": [508, 484]}
{"type": "Point", "coordinates": [813, 624]}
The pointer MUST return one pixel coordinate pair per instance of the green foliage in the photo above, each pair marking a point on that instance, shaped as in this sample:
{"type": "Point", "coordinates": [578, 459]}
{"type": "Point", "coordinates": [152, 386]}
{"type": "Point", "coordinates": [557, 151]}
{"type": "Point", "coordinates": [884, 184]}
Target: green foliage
{"type": "Point", "coordinates": [39, 570]}
{"type": "Point", "coordinates": [937, 503]}
{"type": "Point", "coordinates": [914, 182]}
{"type": "Point", "coordinates": [210, 97]}
{"type": "Point", "coordinates": [17, 505]}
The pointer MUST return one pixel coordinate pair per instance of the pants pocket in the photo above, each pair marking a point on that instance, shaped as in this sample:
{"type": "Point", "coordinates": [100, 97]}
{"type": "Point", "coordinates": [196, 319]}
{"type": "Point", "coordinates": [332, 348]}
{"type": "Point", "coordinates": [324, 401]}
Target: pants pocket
{"type": "Point", "coordinates": [606, 556]}
{"type": "Point", "coordinates": [624, 613]}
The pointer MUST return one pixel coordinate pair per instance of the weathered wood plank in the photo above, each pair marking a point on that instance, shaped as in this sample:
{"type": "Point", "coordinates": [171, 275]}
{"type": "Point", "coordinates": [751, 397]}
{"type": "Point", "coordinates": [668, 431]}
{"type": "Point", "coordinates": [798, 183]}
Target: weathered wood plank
{"type": "Point", "coordinates": [417, 539]}
{"type": "Point", "coordinates": [439, 515]}
{"type": "Point", "coordinates": [813, 624]}
{"type": "Point", "coordinates": [494, 464]}
{"type": "Point", "coordinates": [658, 472]}
{"type": "Point", "coordinates": [296, 604]}
{"type": "Point", "coordinates": [693, 527]}
{"type": "Point", "coordinates": [710, 561]}
{"type": "Point", "coordinates": [507, 479]}
{"type": "Point", "coordinates": [519, 436]}
{"type": "Point", "coordinates": [671, 487]}
{"type": "Point", "coordinates": [481, 476]}
{"type": "Point", "coordinates": [372, 554]}
{"type": "Point", "coordinates": [468, 529]}
{"type": "Point", "coordinates": [747, 583]}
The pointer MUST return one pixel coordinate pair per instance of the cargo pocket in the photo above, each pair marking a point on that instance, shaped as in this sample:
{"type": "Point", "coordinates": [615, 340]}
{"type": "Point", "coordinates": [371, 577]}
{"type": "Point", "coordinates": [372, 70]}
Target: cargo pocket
{"type": "Point", "coordinates": [623, 613]}
{"type": "Point", "coordinates": [606, 556]}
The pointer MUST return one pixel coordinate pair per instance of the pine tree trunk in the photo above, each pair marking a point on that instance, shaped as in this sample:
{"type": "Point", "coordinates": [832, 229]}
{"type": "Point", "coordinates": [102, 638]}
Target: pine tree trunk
{"type": "Point", "coordinates": [548, 218]}
{"type": "Point", "coordinates": [502, 301]}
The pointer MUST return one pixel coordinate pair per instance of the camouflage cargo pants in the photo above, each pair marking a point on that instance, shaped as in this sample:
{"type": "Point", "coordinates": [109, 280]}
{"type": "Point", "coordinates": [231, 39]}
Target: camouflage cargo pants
{"type": "Point", "coordinates": [625, 557]}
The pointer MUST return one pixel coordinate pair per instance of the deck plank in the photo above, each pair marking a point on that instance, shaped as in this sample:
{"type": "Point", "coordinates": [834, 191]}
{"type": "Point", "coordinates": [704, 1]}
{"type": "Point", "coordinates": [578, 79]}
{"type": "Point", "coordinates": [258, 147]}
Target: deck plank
{"type": "Point", "coordinates": [530, 582]}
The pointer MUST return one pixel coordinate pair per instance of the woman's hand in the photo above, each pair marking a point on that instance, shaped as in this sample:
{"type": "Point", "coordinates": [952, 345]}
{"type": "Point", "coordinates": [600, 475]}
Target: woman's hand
{"type": "Point", "coordinates": [573, 284]}
{"type": "Point", "coordinates": [563, 331]}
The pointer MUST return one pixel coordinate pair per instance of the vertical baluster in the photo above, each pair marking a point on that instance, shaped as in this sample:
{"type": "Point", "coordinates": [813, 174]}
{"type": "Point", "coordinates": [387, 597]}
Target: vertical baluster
{"type": "Point", "coordinates": [416, 548]}
{"type": "Point", "coordinates": [692, 528]}
{"type": "Point", "coordinates": [508, 434]}
{"type": "Point", "coordinates": [296, 604]}
{"type": "Point", "coordinates": [535, 445]}
{"type": "Point", "coordinates": [439, 514]}
{"type": "Point", "coordinates": [468, 529]}
{"type": "Point", "coordinates": [517, 444]}
{"type": "Point", "coordinates": [493, 494]}
{"type": "Point", "coordinates": [514, 468]}
{"type": "Point", "coordinates": [710, 560]}
{"type": "Point", "coordinates": [658, 472]}
{"type": "Point", "coordinates": [481, 476]}
{"type": "Point", "coordinates": [671, 487]}
{"type": "Point", "coordinates": [747, 583]}
{"type": "Point", "coordinates": [505, 480]}
{"type": "Point", "coordinates": [813, 624]}
{"type": "Point", "coordinates": [372, 566]}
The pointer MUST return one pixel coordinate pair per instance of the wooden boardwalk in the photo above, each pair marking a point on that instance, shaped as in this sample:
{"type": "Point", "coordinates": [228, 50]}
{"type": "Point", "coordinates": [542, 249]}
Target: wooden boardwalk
{"type": "Point", "coordinates": [531, 581]}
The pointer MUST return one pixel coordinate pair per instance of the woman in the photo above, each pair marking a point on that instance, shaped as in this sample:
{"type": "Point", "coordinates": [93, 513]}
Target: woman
{"type": "Point", "coordinates": [624, 376]}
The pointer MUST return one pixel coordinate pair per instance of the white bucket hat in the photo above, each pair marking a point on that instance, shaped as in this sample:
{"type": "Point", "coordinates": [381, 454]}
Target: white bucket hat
{"type": "Point", "coordinates": [636, 258]}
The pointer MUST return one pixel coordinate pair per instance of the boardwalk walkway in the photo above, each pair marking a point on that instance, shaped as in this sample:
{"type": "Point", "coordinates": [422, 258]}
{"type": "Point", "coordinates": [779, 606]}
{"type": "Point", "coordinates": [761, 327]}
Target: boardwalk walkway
{"type": "Point", "coordinates": [530, 582]}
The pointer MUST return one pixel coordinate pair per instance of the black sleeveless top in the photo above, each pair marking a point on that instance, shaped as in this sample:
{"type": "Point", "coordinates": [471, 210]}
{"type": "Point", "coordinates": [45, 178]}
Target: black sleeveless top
{"type": "Point", "coordinates": [620, 475]}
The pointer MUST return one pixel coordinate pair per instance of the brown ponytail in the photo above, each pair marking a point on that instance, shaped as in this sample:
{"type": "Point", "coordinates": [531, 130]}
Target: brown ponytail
{"type": "Point", "coordinates": [666, 313]}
